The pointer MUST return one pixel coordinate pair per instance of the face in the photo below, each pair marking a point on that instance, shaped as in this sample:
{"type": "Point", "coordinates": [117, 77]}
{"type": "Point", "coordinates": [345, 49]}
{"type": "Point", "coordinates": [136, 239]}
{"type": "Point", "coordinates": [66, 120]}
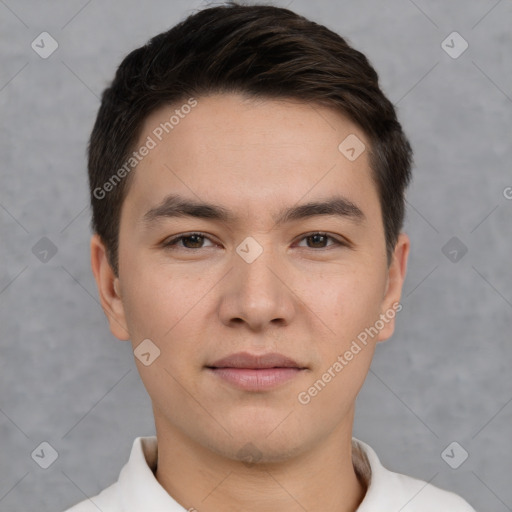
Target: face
{"type": "Point", "coordinates": [260, 270]}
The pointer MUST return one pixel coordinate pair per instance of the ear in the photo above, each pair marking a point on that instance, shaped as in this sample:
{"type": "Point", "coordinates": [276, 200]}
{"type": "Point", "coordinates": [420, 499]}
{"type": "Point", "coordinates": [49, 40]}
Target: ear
{"type": "Point", "coordinates": [108, 288]}
{"type": "Point", "coordinates": [395, 280]}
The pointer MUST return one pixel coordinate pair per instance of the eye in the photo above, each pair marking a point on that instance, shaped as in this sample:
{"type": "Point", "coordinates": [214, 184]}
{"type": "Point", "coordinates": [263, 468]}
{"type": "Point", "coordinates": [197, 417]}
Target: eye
{"type": "Point", "coordinates": [190, 241]}
{"type": "Point", "coordinates": [318, 239]}
{"type": "Point", "coordinates": [196, 240]}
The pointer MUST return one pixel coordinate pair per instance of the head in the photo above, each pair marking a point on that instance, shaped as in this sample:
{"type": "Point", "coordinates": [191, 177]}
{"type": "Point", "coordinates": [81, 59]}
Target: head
{"type": "Point", "coordinates": [276, 128]}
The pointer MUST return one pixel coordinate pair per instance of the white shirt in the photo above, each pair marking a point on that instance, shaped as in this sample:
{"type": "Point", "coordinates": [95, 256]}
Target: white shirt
{"type": "Point", "coordinates": [137, 489]}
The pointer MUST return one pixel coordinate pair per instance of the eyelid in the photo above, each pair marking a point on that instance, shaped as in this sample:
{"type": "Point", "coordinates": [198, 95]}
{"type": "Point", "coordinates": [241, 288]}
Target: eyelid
{"type": "Point", "coordinates": [339, 241]}
{"type": "Point", "coordinates": [173, 241]}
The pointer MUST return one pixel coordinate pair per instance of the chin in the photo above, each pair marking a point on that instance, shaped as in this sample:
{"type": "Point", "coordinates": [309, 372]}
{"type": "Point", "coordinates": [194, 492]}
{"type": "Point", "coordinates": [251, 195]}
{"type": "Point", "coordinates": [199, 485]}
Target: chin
{"type": "Point", "coordinates": [259, 451]}
{"type": "Point", "coordinates": [262, 443]}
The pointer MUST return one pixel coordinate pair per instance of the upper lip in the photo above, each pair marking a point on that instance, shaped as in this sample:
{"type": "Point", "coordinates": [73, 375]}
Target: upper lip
{"type": "Point", "coordinates": [246, 360]}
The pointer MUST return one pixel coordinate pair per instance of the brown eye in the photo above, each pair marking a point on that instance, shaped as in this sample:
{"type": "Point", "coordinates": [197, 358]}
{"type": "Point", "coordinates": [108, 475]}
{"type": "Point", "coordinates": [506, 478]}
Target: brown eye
{"type": "Point", "coordinates": [317, 240]}
{"type": "Point", "coordinates": [189, 241]}
{"type": "Point", "coordinates": [320, 241]}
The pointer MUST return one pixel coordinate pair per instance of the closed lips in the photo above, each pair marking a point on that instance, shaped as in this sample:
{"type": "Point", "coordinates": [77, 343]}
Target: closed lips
{"type": "Point", "coordinates": [256, 373]}
{"type": "Point", "coordinates": [252, 361]}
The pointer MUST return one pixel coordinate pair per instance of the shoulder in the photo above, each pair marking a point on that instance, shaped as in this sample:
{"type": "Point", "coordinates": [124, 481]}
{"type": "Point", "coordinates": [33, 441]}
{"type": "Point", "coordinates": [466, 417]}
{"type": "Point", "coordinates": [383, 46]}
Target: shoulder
{"type": "Point", "coordinates": [387, 490]}
{"type": "Point", "coordinates": [424, 497]}
{"type": "Point", "coordinates": [136, 482]}
{"type": "Point", "coordinates": [106, 501]}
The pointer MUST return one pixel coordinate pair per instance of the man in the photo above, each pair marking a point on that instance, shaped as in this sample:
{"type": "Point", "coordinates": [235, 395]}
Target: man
{"type": "Point", "coordinates": [247, 181]}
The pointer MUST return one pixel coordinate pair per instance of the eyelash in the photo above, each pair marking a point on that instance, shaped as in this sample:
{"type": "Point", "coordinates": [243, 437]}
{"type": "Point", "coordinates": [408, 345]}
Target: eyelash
{"type": "Point", "coordinates": [172, 243]}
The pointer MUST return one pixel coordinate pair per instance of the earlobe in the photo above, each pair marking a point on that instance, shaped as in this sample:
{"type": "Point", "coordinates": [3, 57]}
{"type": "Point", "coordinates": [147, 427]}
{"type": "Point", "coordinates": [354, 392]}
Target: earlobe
{"type": "Point", "coordinates": [108, 289]}
{"type": "Point", "coordinates": [395, 280]}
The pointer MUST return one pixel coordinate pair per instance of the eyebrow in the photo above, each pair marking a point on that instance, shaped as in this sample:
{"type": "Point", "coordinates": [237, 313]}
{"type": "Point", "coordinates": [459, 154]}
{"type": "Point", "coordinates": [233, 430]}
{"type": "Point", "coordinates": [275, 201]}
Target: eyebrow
{"type": "Point", "coordinates": [175, 205]}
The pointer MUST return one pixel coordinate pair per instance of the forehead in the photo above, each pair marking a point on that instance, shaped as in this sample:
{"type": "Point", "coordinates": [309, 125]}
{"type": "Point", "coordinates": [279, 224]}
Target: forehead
{"type": "Point", "coordinates": [249, 153]}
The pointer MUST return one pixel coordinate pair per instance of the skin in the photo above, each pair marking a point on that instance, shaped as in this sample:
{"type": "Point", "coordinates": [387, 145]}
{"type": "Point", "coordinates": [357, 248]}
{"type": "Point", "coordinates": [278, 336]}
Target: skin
{"type": "Point", "coordinates": [200, 301]}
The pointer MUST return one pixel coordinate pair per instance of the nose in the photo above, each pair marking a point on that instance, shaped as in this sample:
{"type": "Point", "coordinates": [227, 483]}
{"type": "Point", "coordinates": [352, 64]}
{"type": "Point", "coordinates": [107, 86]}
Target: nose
{"type": "Point", "coordinates": [256, 293]}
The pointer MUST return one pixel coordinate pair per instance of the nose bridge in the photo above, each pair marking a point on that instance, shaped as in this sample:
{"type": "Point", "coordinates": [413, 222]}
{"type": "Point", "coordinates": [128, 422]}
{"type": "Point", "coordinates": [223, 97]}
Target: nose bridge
{"type": "Point", "coordinates": [255, 267]}
{"type": "Point", "coordinates": [256, 295]}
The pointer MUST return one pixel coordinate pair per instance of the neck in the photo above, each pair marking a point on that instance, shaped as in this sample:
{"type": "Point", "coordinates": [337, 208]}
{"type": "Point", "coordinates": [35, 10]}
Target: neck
{"type": "Point", "coordinates": [322, 478]}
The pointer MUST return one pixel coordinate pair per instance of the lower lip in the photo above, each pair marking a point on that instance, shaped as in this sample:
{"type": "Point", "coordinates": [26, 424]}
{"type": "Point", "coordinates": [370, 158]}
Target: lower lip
{"type": "Point", "coordinates": [261, 379]}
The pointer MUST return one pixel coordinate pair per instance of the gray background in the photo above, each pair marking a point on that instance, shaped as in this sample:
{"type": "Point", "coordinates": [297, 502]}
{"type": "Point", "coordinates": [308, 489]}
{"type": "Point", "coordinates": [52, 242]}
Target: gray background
{"type": "Point", "coordinates": [445, 376]}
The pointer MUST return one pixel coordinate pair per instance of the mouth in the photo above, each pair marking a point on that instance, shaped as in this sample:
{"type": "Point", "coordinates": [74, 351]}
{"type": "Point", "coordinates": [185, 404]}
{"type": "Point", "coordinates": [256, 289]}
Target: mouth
{"type": "Point", "coordinates": [256, 372]}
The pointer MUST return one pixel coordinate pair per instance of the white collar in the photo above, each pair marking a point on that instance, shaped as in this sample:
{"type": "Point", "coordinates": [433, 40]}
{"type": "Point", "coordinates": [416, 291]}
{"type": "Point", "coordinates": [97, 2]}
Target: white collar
{"type": "Point", "coordinates": [137, 488]}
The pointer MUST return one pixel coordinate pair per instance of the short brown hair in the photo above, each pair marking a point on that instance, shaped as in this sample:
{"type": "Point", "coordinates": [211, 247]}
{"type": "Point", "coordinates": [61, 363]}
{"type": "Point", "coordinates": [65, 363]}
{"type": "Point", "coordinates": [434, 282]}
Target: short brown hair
{"type": "Point", "coordinates": [261, 51]}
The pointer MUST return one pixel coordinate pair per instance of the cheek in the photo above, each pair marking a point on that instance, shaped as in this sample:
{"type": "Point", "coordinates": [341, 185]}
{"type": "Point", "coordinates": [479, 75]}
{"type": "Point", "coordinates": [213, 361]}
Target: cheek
{"type": "Point", "coordinates": [332, 391]}
{"type": "Point", "coordinates": [348, 301]}
{"type": "Point", "coordinates": [160, 306]}
{"type": "Point", "coordinates": [157, 300]}
{"type": "Point", "coordinates": [348, 306]}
